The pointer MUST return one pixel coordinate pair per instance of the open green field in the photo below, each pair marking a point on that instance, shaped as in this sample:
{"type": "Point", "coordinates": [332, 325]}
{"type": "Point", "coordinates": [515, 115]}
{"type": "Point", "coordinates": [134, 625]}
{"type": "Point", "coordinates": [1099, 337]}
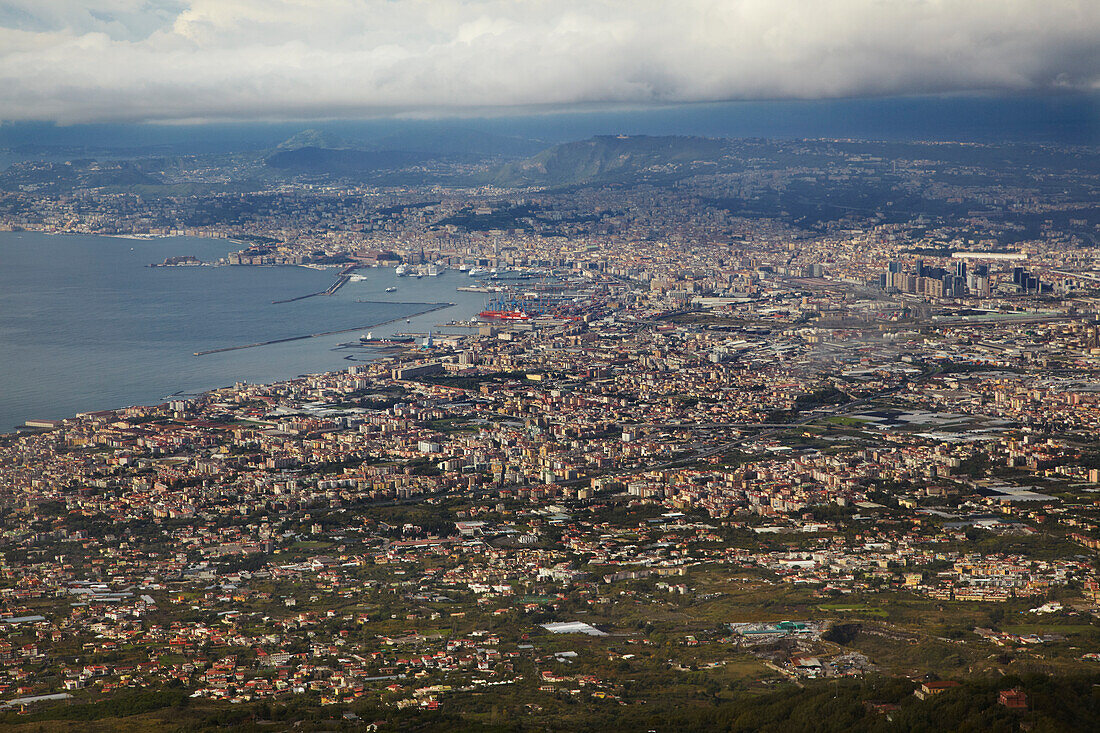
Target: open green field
{"type": "Point", "coordinates": [855, 608]}
{"type": "Point", "coordinates": [1051, 628]}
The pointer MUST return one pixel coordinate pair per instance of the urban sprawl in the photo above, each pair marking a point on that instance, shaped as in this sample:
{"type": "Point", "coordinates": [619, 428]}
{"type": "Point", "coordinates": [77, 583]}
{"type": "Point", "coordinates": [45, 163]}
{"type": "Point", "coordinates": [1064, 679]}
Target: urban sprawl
{"type": "Point", "coordinates": [723, 446]}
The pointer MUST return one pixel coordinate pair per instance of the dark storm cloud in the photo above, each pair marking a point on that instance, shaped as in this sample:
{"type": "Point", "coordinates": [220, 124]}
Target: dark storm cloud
{"type": "Point", "coordinates": [88, 60]}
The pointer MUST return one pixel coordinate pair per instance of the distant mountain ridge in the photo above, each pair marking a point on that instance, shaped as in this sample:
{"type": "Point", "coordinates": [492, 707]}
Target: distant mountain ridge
{"type": "Point", "coordinates": [609, 158]}
{"type": "Point", "coordinates": [602, 159]}
{"type": "Point", "coordinates": [319, 153]}
{"type": "Point", "coordinates": [315, 139]}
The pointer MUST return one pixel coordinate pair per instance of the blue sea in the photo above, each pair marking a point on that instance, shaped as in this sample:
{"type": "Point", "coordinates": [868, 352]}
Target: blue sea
{"type": "Point", "coordinates": [85, 325]}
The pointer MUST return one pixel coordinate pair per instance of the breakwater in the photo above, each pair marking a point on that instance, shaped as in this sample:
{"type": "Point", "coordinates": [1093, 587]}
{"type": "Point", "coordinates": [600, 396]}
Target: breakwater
{"type": "Point", "coordinates": [431, 308]}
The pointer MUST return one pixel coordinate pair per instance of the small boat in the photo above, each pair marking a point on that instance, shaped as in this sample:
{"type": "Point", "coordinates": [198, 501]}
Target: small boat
{"type": "Point", "coordinates": [391, 289]}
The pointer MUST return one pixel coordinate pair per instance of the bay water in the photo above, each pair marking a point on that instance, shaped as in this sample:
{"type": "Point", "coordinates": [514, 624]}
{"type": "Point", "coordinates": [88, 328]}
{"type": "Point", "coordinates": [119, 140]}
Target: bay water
{"type": "Point", "coordinates": [86, 325]}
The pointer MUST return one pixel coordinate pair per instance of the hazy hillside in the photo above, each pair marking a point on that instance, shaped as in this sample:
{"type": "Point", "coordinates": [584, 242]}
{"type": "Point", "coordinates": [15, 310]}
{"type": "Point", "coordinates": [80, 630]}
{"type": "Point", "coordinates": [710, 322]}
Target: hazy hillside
{"type": "Point", "coordinates": [315, 139]}
{"type": "Point", "coordinates": [612, 158]}
{"type": "Point", "coordinates": [58, 177]}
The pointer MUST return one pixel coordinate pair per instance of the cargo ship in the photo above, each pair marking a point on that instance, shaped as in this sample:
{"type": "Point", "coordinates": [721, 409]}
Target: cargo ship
{"type": "Point", "coordinates": [505, 310]}
{"type": "Point", "coordinates": [506, 315]}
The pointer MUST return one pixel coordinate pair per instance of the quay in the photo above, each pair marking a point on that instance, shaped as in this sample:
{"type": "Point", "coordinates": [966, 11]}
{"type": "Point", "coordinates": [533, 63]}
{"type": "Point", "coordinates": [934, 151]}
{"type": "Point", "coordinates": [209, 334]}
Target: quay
{"type": "Point", "coordinates": [341, 280]}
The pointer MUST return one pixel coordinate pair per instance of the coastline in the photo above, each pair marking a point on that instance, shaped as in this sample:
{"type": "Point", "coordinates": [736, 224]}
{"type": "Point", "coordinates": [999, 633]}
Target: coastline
{"type": "Point", "coordinates": [139, 237]}
{"type": "Point", "coordinates": [84, 331]}
{"type": "Point", "coordinates": [24, 428]}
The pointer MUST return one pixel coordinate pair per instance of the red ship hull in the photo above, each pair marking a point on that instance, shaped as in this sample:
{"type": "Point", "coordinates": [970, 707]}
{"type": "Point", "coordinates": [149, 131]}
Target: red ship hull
{"type": "Point", "coordinates": [505, 315]}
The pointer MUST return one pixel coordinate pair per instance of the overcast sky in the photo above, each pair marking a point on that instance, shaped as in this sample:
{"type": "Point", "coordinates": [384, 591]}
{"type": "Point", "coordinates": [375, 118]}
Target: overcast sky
{"type": "Point", "coordinates": [142, 60]}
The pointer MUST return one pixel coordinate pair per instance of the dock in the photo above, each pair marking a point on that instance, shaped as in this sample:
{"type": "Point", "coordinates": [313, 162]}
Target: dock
{"type": "Point", "coordinates": [341, 280]}
{"type": "Point", "coordinates": [478, 289]}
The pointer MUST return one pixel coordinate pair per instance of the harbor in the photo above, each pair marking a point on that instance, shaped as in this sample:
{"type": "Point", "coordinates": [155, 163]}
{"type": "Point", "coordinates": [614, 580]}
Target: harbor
{"type": "Point", "coordinates": [140, 327]}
